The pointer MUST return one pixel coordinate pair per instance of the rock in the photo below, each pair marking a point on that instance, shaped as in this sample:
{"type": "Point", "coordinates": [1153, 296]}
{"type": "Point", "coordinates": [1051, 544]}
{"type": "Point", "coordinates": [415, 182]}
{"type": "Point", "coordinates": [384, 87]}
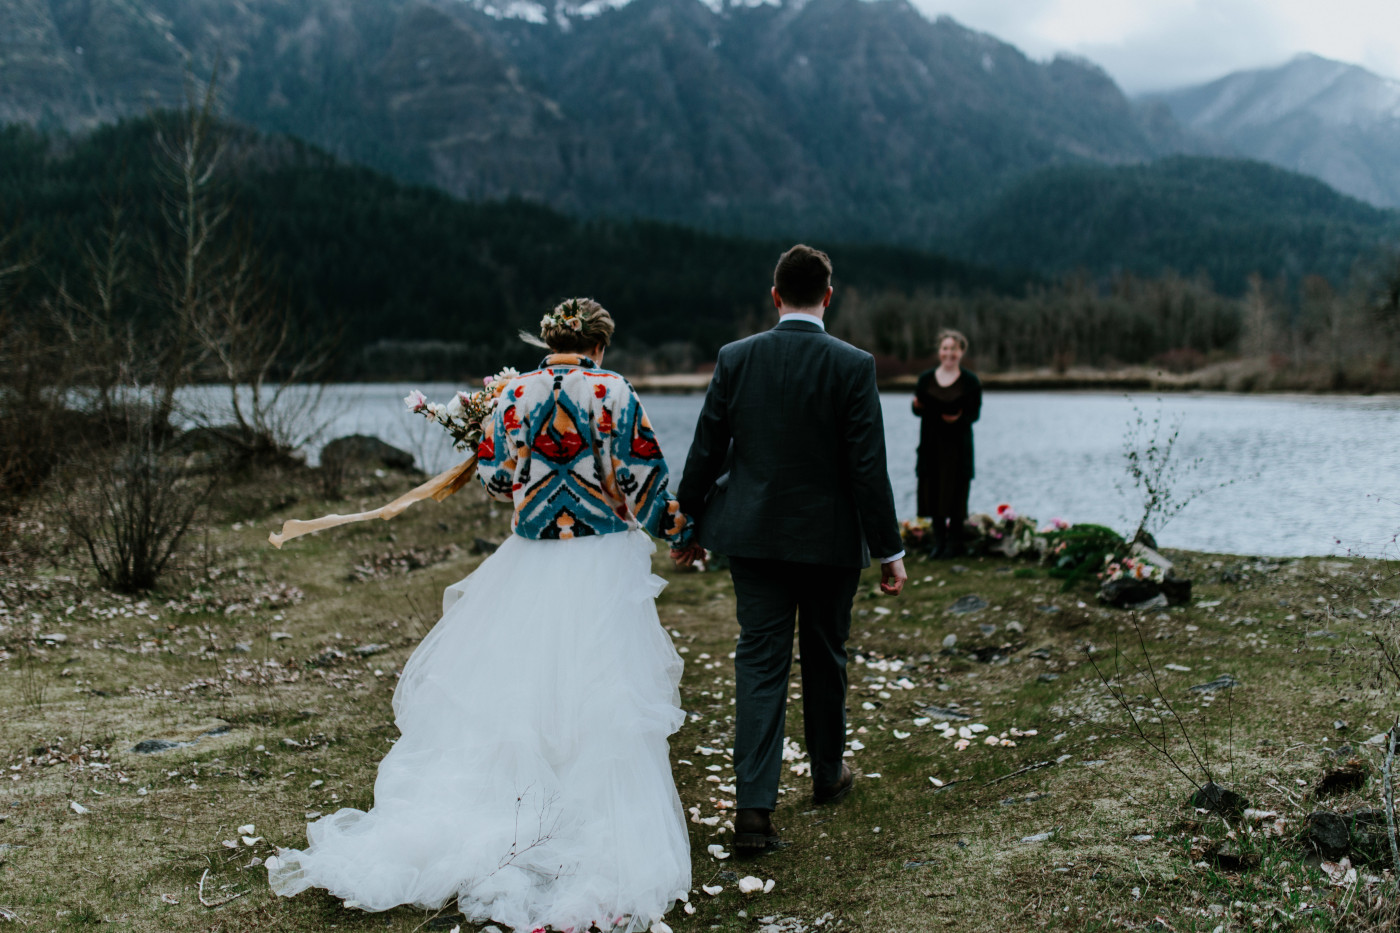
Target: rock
{"type": "Point", "coordinates": [1327, 833]}
{"type": "Point", "coordinates": [242, 647]}
{"type": "Point", "coordinates": [1128, 592]}
{"type": "Point", "coordinates": [1343, 779]}
{"type": "Point", "coordinates": [1223, 682]}
{"type": "Point", "coordinates": [484, 546]}
{"type": "Point", "coordinates": [1156, 602]}
{"type": "Point", "coordinates": [365, 450]}
{"type": "Point", "coordinates": [940, 714]}
{"type": "Point", "coordinates": [218, 730]}
{"type": "Point", "coordinates": [1176, 590]}
{"type": "Point", "coordinates": [1048, 678]}
{"type": "Point", "coordinates": [958, 568]}
{"type": "Point", "coordinates": [1219, 800]}
{"type": "Point", "coordinates": [280, 636]}
{"type": "Point", "coordinates": [151, 746]}
{"type": "Point", "coordinates": [1017, 627]}
{"type": "Point", "coordinates": [1370, 836]}
{"type": "Point", "coordinates": [967, 605]}
{"type": "Point", "coordinates": [1047, 608]}
{"type": "Point", "coordinates": [55, 638]}
{"type": "Point", "coordinates": [987, 629]}
{"type": "Point", "coordinates": [949, 640]}
{"type": "Point", "coordinates": [327, 658]}
{"type": "Point", "coordinates": [365, 651]}
{"type": "Point", "coordinates": [1229, 858]}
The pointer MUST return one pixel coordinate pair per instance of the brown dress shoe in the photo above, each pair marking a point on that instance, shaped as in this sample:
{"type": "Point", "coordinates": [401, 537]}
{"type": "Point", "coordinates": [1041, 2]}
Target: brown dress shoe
{"type": "Point", "coordinates": [822, 795]}
{"type": "Point", "coordinates": [753, 831]}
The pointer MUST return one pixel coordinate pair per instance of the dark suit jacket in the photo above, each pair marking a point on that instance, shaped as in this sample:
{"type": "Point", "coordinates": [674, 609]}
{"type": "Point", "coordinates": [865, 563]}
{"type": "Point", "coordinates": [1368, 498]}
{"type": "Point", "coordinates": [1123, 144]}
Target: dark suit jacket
{"type": "Point", "coordinates": [788, 461]}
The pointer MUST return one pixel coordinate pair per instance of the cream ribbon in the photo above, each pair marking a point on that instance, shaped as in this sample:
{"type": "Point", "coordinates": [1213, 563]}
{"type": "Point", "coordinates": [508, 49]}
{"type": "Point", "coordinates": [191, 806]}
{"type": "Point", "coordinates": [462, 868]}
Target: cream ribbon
{"type": "Point", "coordinates": [438, 488]}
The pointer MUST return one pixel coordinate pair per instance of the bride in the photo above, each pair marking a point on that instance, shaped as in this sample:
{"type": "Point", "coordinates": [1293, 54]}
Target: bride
{"type": "Point", "coordinates": [532, 781]}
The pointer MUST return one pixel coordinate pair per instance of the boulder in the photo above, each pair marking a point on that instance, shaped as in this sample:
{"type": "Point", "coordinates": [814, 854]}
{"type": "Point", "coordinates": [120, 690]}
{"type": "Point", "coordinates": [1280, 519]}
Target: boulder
{"type": "Point", "coordinates": [1219, 799]}
{"type": "Point", "coordinates": [1128, 592]}
{"type": "Point", "coordinates": [362, 449]}
{"type": "Point", "coordinates": [1370, 836]}
{"type": "Point", "coordinates": [1328, 833]}
{"type": "Point", "coordinates": [1176, 589]}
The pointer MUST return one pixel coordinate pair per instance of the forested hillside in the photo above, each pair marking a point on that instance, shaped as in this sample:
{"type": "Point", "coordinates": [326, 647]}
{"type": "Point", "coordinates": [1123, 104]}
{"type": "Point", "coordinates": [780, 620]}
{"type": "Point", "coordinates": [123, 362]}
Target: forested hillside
{"type": "Point", "coordinates": [360, 255]}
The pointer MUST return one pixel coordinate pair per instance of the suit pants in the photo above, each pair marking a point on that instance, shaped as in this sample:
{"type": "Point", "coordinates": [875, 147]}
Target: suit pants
{"type": "Point", "coordinates": [774, 597]}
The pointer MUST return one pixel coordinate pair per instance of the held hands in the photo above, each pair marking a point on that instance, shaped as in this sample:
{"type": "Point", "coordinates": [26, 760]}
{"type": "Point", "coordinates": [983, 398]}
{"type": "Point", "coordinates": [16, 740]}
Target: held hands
{"type": "Point", "coordinates": [685, 558]}
{"type": "Point", "coordinates": [892, 577]}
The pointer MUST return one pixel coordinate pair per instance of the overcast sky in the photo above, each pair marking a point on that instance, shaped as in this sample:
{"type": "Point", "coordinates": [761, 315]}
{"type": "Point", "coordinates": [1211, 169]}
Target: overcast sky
{"type": "Point", "coordinates": [1149, 45]}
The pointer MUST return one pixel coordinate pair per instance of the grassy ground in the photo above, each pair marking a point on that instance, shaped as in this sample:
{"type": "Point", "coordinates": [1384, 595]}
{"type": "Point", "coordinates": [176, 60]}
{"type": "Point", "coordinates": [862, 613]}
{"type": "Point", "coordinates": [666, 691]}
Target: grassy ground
{"type": "Point", "coordinates": [248, 660]}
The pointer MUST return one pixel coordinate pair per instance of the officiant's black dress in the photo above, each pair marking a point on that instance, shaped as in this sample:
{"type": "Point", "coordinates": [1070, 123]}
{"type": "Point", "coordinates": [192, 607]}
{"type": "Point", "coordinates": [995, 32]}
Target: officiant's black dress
{"type": "Point", "coordinates": [945, 464]}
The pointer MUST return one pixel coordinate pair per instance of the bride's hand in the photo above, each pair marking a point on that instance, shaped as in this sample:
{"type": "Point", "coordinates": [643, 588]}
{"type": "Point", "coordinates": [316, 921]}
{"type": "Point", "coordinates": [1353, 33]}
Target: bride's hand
{"type": "Point", "coordinates": [685, 558]}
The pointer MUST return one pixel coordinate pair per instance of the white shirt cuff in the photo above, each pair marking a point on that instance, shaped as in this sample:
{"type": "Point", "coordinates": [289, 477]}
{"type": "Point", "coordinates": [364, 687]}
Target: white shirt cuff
{"type": "Point", "coordinates": [886, 560]}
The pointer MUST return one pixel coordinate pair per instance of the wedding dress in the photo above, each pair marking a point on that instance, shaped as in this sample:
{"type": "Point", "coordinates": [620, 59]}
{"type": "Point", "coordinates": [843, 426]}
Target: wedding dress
{"type": "Point", "coordinates": [532, 780]}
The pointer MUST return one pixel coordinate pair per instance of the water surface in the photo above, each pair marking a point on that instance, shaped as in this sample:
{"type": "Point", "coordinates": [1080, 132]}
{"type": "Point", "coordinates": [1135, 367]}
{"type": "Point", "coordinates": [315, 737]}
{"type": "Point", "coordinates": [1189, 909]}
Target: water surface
{"type": "Point", "coordinates": [1306, 475]}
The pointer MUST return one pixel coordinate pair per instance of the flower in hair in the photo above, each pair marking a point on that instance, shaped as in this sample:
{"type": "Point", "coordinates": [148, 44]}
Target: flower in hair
{"type": "Point", "coordinates": [568, 314]}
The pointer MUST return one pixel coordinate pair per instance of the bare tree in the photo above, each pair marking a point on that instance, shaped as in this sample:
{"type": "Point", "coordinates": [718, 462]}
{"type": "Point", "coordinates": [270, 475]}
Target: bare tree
{"type": "Point", "coordinates": [191, 269]}
{"type": "Point", "coordinates": [226, 322]}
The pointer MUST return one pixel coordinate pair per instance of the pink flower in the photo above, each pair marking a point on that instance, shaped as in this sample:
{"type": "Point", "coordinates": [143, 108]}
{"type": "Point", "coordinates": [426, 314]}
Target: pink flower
{"type": "Point", "coordinates": [416, 401]}
{"type": "Point", "coordinates": [488, 380]}
{"type": "Point", "coordinates": [1059, 523]}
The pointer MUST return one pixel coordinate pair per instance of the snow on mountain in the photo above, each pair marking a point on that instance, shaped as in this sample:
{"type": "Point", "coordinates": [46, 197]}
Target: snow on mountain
{"type": "Point", "coordinates": [1335, 121]}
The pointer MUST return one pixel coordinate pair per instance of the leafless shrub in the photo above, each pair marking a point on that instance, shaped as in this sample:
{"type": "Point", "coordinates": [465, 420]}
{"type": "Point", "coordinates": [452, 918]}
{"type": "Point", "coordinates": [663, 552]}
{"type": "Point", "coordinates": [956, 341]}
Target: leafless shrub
{"type": "Point", "coordinates": [131, 509]}
{"type": "Point", "coordinates": [1156, 472]}
{"type": "Point", "coordinates": [1160, 728]}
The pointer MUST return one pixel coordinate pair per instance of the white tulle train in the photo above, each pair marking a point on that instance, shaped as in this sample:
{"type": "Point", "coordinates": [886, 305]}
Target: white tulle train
{"type": "Point", "coordinates": [532, 781]}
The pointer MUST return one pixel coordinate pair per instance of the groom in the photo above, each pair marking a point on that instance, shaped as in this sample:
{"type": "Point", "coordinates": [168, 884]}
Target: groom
{"type": "Point", "coordinates": [787, 478]}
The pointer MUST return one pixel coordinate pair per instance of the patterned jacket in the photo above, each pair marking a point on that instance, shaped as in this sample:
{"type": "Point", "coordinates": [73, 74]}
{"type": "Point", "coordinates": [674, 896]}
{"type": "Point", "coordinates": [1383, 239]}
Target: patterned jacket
{"type": "Point", "coordinates": [570, 447]}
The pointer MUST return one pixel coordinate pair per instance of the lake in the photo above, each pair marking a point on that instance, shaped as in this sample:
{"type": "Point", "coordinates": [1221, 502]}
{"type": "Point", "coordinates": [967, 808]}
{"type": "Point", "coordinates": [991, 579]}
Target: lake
{"type": "Point", "coordinates": [1307, 475]}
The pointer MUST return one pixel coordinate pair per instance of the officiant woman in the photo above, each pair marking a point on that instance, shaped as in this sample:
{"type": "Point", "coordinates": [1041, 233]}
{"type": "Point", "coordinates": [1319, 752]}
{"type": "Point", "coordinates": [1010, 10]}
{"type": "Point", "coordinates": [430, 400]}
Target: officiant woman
{"type": "Point", "coordinates": [948, 399]}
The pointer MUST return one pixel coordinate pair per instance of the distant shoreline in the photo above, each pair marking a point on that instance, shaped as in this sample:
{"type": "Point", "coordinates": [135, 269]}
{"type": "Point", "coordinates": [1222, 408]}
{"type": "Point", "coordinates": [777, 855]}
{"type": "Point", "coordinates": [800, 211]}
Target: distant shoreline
{"type": "Point", "coordinates": [1240, 377]}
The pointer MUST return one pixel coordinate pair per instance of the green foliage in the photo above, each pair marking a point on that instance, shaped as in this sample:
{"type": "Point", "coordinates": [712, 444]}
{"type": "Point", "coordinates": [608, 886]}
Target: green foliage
{"type": "Point", "coordinates": [1080, 550]}
{"type": "Point", "coordinates": [1227, 219]}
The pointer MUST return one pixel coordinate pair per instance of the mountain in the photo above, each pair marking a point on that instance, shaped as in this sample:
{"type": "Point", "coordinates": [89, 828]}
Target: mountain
{"type": "Point", "coordinates": [1225, 218]}
{"type": "Point", "coordinates": [1331, 120]}
{"type": "Point", "coordinates": [832, 118]}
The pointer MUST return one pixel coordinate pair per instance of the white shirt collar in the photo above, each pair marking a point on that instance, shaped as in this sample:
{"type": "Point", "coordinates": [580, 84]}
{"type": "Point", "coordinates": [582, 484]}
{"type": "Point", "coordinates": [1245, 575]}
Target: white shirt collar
{"type": "Point", "coordinates": [798, 316]}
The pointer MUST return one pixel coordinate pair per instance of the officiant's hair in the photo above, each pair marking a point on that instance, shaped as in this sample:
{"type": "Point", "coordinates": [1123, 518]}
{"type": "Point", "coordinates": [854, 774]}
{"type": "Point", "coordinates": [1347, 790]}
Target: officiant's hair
{"type": "Point", "coordinates": [597, 329]}
{"type": "Point", "coordinates": [957, 335]}
{"type": "Point", "coordinates": [802, 276]}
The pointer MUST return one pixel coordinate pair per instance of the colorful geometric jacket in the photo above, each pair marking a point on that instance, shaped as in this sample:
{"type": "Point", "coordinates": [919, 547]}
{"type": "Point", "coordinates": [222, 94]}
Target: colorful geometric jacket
{"type": "Point", "coordinates": [571, 448]}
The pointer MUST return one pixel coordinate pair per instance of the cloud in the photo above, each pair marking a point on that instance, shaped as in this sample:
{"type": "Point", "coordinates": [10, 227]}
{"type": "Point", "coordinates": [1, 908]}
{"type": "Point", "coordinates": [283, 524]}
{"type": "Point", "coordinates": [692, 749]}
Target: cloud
{"type": "Point", "coordinates": [1156, 44]}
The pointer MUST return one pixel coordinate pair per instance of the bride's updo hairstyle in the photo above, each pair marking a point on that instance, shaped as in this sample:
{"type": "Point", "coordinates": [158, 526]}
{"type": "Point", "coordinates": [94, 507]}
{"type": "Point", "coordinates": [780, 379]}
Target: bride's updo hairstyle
{"type": "Point", "coordinates": [577, 326]}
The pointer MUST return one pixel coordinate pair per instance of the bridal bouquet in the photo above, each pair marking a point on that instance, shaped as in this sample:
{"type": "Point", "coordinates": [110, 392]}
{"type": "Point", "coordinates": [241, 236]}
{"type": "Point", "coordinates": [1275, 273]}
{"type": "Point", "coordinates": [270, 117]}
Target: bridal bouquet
{"type": "Point", "coordinates": [465, 416]}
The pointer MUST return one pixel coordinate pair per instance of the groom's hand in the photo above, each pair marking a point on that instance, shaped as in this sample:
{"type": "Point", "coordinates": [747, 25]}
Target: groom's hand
{"type": "Point", "coordinates": [892, 577]}
{"type": "Point", "coordinates": [685, 558]}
